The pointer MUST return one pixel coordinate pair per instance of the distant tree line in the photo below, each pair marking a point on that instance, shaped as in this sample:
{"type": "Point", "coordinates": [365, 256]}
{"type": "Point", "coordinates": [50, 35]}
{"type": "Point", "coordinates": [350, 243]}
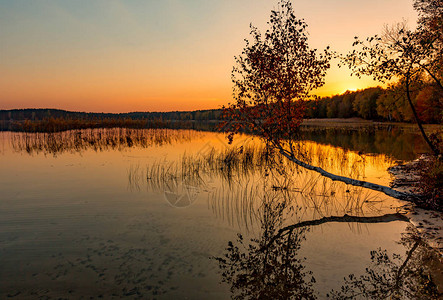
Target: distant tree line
{"type": "Point", "coordinates": [377, 103]}
{"type": "Point", "coordinates": [53, 120]}
{"type": "Point", "coordinates": [44, 114]}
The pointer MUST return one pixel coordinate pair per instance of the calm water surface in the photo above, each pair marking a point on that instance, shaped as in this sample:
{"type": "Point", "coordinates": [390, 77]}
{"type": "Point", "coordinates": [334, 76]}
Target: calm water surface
{"type": "Point", "coordinates": [146, 213]}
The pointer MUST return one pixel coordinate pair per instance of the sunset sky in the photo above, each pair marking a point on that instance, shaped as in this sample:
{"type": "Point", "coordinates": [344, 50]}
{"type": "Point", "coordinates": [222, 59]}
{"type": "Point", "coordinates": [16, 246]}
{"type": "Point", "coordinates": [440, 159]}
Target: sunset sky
{"type": "Point", "coordinates": [146, 55]}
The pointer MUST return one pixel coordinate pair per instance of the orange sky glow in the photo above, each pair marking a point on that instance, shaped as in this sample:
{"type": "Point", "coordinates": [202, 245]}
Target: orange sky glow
{"type": "Point", "coordinates": [122, 56]}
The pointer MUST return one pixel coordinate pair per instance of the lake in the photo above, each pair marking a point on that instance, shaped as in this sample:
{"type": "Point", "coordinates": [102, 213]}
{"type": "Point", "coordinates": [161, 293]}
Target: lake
{"type": "Point", "coordinates": [180, 214]}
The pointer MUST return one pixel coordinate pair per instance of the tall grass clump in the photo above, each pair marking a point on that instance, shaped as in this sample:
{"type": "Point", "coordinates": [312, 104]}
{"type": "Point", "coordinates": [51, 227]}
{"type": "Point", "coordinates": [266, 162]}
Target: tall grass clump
{"type": "Point", "coordinates": [98, 139]}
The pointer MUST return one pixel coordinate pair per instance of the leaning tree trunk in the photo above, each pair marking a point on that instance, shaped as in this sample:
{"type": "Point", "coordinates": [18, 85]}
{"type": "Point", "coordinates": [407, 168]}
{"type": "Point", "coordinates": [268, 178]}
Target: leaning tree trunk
{"type": "Point", "coordinates": [355, 182]}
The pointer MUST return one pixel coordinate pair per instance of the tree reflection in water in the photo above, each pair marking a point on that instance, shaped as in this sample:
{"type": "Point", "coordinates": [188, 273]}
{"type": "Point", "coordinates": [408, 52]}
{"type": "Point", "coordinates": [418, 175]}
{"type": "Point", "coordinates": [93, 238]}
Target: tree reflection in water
{"type": "Point", "coordinates": [256, 271]}
{"type": "Point", "coordinates": [269, 267]}
{"type": "Point", "coordinates": [392, 276]}
{"type": "Point", "coordinates": [389, 139]}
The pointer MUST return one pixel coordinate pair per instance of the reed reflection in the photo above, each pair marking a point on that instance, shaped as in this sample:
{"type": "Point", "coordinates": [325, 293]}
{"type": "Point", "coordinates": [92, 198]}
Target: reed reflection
{"type": "Point", "coordinates": [232, 179]}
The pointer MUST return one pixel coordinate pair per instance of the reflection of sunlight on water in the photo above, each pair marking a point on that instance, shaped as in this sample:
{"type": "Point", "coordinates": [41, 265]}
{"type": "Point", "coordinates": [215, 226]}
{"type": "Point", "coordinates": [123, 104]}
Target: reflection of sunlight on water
{"type": "Point", "coordinates": [345, 162]}
{"type": "Point", "coordinates": [402, 142]}
{"type": "Point", "coordinates": [234, 179]}
{"type": "Point", "coordinates": [230, 177]}
{"type": "Point", "coordinates": [4, 141]}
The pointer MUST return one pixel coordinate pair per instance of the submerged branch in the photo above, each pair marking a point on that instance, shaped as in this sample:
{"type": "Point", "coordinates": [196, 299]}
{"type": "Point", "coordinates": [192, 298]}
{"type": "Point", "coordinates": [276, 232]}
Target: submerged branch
{"type": "Point", "coordinates": [355, 182]}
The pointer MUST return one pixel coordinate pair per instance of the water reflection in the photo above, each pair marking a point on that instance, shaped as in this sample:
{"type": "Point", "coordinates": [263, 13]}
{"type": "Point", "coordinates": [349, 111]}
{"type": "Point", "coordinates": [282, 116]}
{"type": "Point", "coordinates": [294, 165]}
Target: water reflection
{"type": "Point", "coordinates": [232, 179]}
{"type": "Point", "coordinates": [394, 276]}
{"type": "Point", "coordinates": [400, 142]}
{"type": "Point", "coordinates": [268, 265]}
{"type": "Point", "coordinates": [259, 269]}
{"type": "Point", "coordinates": [87, 222]}
{"type": "Point", "coordinates": [335, 159]}
{"type": "Point", "coordinates": [228, 173]}
{"type": "Point", "coordinates": [275, 203]}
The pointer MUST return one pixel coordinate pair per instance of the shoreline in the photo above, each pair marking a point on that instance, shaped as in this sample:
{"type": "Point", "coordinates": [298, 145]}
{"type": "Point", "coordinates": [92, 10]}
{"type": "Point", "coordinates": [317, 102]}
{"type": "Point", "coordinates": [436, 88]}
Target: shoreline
{"type": "Point", "coordinates": [359, 122]}
{"type": "Point", "coordinates": [429, 223]}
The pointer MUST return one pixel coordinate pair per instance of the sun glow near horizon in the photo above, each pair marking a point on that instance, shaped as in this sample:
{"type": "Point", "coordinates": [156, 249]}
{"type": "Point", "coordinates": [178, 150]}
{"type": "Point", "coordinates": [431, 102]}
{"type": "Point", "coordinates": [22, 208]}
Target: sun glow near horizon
{"type": "Point", "coordinates": [157, 56]}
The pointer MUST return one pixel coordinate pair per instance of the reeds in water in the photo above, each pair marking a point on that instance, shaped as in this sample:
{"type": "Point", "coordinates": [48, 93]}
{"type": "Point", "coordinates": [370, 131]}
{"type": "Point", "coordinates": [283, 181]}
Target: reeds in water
{"type": "Point", "coordinates": [237, 180]}
{"type": "Point", "coordinates": [97, 140]}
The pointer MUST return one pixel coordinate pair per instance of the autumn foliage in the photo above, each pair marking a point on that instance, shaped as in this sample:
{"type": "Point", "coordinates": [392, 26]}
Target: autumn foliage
{"type": "Point", "coordinates": [273, 77]}
{"type": "Point", "coordinates": [430, 171]}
